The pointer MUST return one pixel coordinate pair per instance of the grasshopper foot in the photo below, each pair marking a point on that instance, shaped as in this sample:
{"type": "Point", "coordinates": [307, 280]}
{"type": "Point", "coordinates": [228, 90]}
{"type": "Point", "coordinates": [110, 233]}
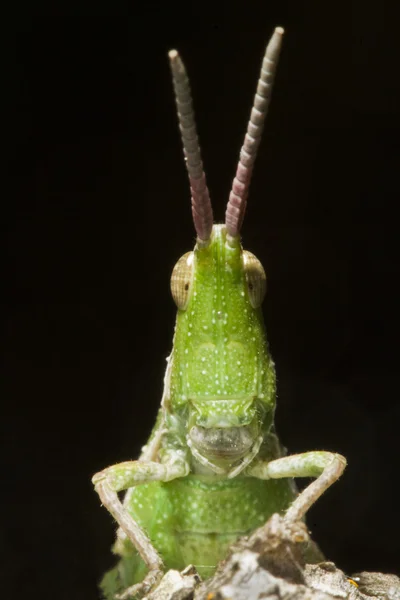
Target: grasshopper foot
{"type": "Point", "coordinates": [139, 590]}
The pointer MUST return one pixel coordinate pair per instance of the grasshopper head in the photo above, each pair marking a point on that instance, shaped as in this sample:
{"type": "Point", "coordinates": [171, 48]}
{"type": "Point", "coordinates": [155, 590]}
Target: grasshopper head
{"type": "Point", "coordinates": [221, 379]}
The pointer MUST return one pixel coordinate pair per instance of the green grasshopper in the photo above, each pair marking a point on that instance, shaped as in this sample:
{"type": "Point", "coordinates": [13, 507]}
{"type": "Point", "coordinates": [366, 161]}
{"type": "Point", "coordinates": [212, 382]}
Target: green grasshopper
{"type": "Point", "coordinates": [213, 468]}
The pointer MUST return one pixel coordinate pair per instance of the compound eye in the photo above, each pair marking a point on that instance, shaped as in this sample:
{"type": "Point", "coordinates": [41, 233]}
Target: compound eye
{"type": "Point", "coordinates": [182, 280]}
{"type": "Point", "coordinates": [255, 277]}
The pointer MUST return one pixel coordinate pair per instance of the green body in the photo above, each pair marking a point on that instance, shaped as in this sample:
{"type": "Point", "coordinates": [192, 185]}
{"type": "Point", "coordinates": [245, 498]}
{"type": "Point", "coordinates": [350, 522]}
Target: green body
{"type": "Point", "coordinates": [194, 521]}
{"type": "Point", "coordinates": [220, 376]}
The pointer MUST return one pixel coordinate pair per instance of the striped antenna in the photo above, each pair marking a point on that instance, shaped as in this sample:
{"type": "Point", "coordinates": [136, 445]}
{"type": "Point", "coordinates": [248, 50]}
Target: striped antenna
{"type": "Point", "coordinates": [201, 204]}
{"type": "Point", "coordinates": [240, 188]}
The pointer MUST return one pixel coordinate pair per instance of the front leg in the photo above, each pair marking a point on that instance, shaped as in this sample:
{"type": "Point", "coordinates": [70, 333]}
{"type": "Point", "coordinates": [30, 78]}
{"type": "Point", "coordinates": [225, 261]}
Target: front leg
{"type": "Point", "coordinates": [325, 466]}
{"type": "Point", "coordinates": [125, 475]}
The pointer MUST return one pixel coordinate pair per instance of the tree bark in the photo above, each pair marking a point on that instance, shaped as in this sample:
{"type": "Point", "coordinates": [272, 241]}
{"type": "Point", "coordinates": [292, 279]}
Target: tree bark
{"type": "Point", "coordinates": [269, 565]}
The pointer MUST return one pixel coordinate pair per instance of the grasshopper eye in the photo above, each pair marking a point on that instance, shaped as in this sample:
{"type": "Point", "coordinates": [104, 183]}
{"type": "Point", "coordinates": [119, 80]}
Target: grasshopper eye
{"type": "Point", "coordinates": [255, 277]}
{"type": "Point", "coordinates": [182, 280]}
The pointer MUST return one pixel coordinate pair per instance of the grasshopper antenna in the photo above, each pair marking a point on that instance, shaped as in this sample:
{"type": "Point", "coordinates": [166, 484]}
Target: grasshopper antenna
{"type": "Point", "coordinates": [240, 187]}
{"type": "Point", "coordinates": [201, 204]}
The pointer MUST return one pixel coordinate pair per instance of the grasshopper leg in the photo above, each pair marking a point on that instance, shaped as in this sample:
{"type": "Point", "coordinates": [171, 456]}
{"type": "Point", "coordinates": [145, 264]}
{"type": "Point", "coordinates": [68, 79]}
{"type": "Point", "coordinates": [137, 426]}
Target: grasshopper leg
{"type": "Point", "coordinates": [121, 477]}
{"type": "Point", "coordinates": [327, 467]}
{"type": "Point", "coordinates": [139, 539]}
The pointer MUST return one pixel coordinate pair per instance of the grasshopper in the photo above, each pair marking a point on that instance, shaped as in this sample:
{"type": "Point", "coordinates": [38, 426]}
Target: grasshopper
{"type": "Point", "coordinates": [213, 468]}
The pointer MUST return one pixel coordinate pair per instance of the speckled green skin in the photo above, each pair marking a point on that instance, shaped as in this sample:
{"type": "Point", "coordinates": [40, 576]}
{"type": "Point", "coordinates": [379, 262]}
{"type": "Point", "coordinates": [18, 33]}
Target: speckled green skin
{"type": "Point", "coordinates": [220, 375]}
{"type": "Point", "coordinates": [220, 350]}
{"type": "Point", "coordinates": [193, 521]}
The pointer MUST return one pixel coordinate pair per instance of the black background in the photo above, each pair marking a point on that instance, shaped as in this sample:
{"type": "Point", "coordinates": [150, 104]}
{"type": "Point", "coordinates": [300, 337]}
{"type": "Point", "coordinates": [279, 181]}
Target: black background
{"type": "Point", "coordinates": [99, 214]}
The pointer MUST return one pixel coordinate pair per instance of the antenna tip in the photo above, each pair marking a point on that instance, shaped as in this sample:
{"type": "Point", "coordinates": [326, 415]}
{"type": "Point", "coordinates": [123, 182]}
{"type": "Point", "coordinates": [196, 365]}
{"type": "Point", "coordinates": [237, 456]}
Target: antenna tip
{"type": "Point", "coordinates": [279, 30]}
{"type": "Point", "coordinates": [173, 54]}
